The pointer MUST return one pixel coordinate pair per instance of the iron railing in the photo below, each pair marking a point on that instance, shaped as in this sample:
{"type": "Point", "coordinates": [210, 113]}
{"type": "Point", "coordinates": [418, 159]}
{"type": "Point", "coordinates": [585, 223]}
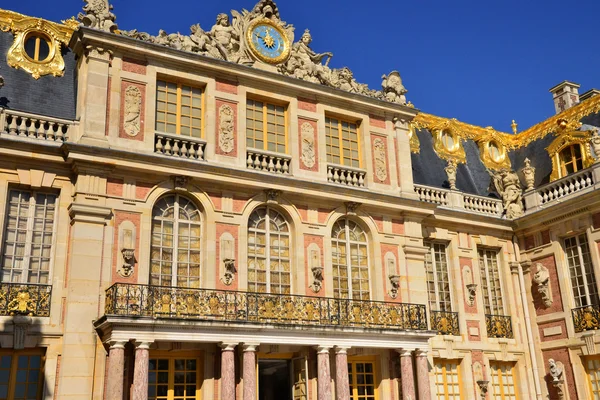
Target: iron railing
{"type": "Point", "coordinates": [232, 306]}
{"type": "Point", "coordinates": [25, 299]}
{"type": "Point", "coordinates": [586, 318]}
{"type": "Point", "coordinates": [499, 326]}
{"type": "Point", "coordinates": [445, 322]}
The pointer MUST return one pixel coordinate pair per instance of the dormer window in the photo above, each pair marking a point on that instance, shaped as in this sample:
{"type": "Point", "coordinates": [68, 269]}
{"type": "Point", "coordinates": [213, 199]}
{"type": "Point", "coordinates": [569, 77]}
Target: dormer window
{"type": "Point", "coordinates": [37, 47]}
{"type": "Point", "coordinates": [570, 159]}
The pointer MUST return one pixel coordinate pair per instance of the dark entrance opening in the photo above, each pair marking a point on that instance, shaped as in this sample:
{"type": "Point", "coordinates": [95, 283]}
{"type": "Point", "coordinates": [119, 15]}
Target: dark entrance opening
{"type": "Point", "coordinates": [274, 381]}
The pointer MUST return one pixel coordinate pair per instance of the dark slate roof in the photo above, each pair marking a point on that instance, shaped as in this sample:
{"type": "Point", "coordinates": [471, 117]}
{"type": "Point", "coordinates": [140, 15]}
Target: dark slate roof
{"type": "Point", "coordinates": [428, 168]}
{"type": "Point", "coordinates": [592, 119]}
{"type": "Point", "coordinates": [537, 154]}
{"type": "Point", "coordinates": [49, 95]}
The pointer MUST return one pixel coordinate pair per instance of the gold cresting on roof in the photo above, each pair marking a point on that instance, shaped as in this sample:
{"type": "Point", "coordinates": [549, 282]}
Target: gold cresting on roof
{"type": "Point", "coordinates": [568, 119]}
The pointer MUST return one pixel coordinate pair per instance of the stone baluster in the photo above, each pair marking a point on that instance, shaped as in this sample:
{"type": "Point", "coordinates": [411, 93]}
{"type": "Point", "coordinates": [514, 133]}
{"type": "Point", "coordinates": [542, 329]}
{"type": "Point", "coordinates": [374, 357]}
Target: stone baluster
{"type": "Point", "coordinates": [228, 371]}
{"type": "Point", "coordinates": [423, 374]}
{"type": "Point", "coordinates": [408, 379]}
{"type": "Point", "coordinates": [249, 371]}
{"type": "Point", "coordinates": [140, 371]}
{"type": "Point", "coordinates": [342, 385]}
{"type": "Point", "coordinates": [324, 373]}
{"type": "Point", "coordinates": [116, 366]}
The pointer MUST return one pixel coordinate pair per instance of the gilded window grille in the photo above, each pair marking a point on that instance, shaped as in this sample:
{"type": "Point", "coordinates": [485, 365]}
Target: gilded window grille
{"type": "Point", "coordinates": [25, 299]}
{"type": "Point", "coordinates": [445, 322]}
{"type": "Point", "coordinates": [499, 326]}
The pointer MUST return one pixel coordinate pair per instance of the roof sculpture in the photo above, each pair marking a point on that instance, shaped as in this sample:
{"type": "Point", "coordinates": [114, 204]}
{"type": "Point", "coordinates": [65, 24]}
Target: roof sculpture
{"type": "Point", "coordinates": [231, 39]}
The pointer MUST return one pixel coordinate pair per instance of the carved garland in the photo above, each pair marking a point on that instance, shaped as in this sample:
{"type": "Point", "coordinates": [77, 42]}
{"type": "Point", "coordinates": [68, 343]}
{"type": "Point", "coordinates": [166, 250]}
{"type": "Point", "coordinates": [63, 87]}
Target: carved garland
{"type": "Point", "coordinates": [133, 111]}
{"type": "Point", "coordinates": [380, 159]}
{"type": "Point", "coordinates": [308, 156]}
{"type": "Point", "coordinates": [226, 134]}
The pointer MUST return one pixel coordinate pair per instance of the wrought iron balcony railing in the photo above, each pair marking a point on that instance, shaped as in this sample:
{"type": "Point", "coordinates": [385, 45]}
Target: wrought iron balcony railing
{"type": "Point", "coordinates": [586, 318]}
{"type": "Point", "coordinates": [499, 326]}
{"type": "Point", "coordinates": [231, 306]}
{"type": "Point", "coordinates": [25, 299]}
{"type": "Point", "coordinates": [445, 323]}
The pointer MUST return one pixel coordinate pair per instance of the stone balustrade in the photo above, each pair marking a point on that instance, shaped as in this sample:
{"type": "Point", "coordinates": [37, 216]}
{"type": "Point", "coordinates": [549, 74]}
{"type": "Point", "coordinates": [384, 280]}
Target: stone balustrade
{"type": "Point", "coordinates": [346, 175]}
{"type": "Point", "coordinates": [180, 146]}
{"type": "Point", "coordinates": [266, 161]}
{"type": "Point", "coordinates": [483, 205]}
{"type": "Point", "coordinates": [20, 124]}
{"type": "Point", "coordinates": [432, 195]}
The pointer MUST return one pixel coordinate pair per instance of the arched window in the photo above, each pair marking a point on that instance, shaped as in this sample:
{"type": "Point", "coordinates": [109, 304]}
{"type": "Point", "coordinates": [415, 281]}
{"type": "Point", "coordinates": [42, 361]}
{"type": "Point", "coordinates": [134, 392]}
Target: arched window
{"type": "Point", "coordinates": [268, 252]}
{"type": "Point", "coordinates": [571, 159]}
{"type": "Point", "coordinates": [350, 261]}
{"type": "Point", "coordinates": [176, 238]}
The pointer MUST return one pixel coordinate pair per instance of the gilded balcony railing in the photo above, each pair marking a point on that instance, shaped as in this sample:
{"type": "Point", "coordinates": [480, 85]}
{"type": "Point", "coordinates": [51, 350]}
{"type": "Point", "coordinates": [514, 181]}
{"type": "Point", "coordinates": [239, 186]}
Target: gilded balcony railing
{"type": "Point", "coordinates": [231, 306]}
{"type": "Point", "coordinates": [445, 322]}
{"type": "Point", "coordinates": [586, 318]}
{"type": "Point", "coordinates": [25, 299]}
{"type": "Point", "coordinates": [499, 326]}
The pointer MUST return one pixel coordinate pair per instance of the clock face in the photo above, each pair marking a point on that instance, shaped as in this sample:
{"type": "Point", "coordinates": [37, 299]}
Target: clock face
{"type": "Point", "coordinates": [268, 43]}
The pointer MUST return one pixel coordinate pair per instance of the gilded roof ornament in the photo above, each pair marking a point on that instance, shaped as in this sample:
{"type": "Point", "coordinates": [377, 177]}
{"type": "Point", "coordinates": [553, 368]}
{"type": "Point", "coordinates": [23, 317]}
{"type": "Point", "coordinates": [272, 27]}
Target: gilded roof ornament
{"type": "Point", "coordinates": [98, 15]}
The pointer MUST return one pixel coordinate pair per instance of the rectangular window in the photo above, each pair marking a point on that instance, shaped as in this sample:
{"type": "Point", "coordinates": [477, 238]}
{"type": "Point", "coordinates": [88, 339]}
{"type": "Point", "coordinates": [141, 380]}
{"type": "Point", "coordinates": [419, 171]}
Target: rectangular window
{"type": "Point", "coordinates": [361, 376]}
{"type": "Point", "coordinates": [178, 109]}
{"type": "Point", "coordinates": [491, 288]}
{"type": "Point", "coordinates": [265, 126]}
{"type": "Point", "coordinates": [447, 379]}
{"type": "Point", "coordinates": [592, 369]}
{"type": "Point", "coordinates": [438, 282]}
{"type": "Point", "coordinates": [174, 378]}
{"type": "Point", "coordinates": [503, 381]}
{"type": "Point", "coordinates": [21, 374]}
{"type": "Point", "coordinates": [28, 235]}
{"type": "Point", "coordinates": [583, 280]}
{"type": "Point", "coordinates": [342, 142]}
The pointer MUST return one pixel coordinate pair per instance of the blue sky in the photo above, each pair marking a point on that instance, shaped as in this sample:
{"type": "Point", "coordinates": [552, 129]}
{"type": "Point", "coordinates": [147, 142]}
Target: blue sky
{"type": "Point", "coordinates": [483, 62]}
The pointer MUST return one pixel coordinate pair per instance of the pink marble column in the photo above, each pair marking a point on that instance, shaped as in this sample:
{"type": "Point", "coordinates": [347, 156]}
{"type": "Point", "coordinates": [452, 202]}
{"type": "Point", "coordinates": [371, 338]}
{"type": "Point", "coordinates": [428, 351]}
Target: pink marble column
{"type": "Point", "coordinates": [228, 371]}
{"type": "Point", "coordinates": [140, 371]}
{"type": "Point", "coordinates": [324, 374]}
{"type": "Point", "coordinates": [342, 385]}
{"type": "Point", "coordinates": [408, 378]}
{"type": "Point", "coordinates": [423, 374]}
{"type": "Point", "coordinates": [116, 365]}
{"type": "Point", "coordinates": [249, 371]}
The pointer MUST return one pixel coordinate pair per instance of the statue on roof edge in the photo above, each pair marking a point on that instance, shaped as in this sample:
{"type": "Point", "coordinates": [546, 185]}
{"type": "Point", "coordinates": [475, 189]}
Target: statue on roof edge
{"type": "Point", "coordinates": [98, 15]}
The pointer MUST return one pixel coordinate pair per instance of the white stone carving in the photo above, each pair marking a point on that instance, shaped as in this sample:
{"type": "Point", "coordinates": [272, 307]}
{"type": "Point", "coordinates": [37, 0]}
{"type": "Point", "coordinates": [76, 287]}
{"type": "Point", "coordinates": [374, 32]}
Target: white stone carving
{"type": "Point", "coordinates": [556, 369]}
{"type": "Point", "coordinates": [380, 159]}
{"type": "Point", "coordinates": [393, 89]}
{"type": "Point", "coordinates": [394, 285]}
{"type": "Point", "coordinates": [226, 134]}
{"type": "Point", "coordinates": [542, 280]}
{"type": "Point", "coordinates": [508, 186]}
{"type": "Point", "coordinates": [228, 258]}
{"type": "Point", "coordinates": [472, 293]}
{"type": "Point", "coordinates": [595, 144]}
{"type": "Point", "coordinates": [529, 174]}
{"type": "Point", "coordinates": [98, 15]}
{"type": "Point", "coordinates": [307, 134]}
{"type": "Point", "coordinates": [21, 325]}
{"type": "Point", "coordinates": [133, 110]}
{"type": "Point", "coordinates": [127, 235]}
{"type": "Point", "coordinates": [451, 174]}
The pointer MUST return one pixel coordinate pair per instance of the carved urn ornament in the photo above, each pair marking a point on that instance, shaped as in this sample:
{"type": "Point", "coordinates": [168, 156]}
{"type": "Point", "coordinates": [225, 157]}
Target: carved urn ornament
{"type": "Point", "coordinates": [451, 174]}
{"type": "Point", "coordinates": [471, 292]}
{"type": "Point", "coordinates": [529, 174]}
{"type": "Point", "coordinates": [395, 285]}
{"type": "Point", "coordinates": [594, 143]}
{"type": "Point", "coordinates": [542, 279]}
{"type": "Point", "coordinates": [317, 282]}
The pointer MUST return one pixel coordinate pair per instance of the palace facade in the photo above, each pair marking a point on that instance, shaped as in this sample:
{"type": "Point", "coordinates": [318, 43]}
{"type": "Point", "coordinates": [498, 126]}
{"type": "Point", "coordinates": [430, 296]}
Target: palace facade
{"type": "Point", "coordinates": [222, 215]}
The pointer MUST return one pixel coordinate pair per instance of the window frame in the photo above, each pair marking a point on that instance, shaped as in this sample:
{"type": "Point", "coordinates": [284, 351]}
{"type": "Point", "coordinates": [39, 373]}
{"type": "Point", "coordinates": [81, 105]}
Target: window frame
{"type": "Point", "coordinates": [352, 361]}
{"type": "Point", "coordinates": [340, 121]}
{"type": "Point", "coordinates": [583, 269]}
{"type": "Point", "coordinates": [39, 351]}
{"type": "Point", "coordinates": [497, 366]}
{"type": "Point", "coordinates": [595, 359]}
{"type": "Point", "coordinates": [574, 160]}
{"type": "Point", "coordinates": [187, 355]}
{"type": "Point", "coordinates": [180, 83]}
{"type": "Point", "coordinates": [265, 123]}
{"type": "Point", "coordinates": [431, 244]}
{"type": "Point", "coordinates": [444, 362]}
{"type": "Point", "coordinates": [489, 295]}
{"type": "Point", "coordinates": [29, 234]}
{"type": "Point", "coordinates": [39, 36]}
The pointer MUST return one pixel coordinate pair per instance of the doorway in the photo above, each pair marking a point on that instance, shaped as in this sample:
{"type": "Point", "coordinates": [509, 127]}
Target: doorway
{"type": "Point", "coordinates": [274, 379]}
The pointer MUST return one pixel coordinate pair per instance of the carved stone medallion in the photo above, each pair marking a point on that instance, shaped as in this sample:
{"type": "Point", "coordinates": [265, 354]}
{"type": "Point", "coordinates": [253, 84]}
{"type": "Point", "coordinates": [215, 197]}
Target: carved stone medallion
{"type": "Point", "coordinates": [380, 161]}
{"type": "Point", "coordinates": [308, 145]}
{"type": "Point", "coordinates": [226, 136]}
{"type": "Point", "coordinates": [133, 110]}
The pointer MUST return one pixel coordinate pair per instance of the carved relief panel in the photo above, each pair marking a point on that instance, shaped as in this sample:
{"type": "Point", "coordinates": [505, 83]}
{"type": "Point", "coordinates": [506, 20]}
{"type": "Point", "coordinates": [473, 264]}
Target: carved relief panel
{"type": "Point", "coordinates": [226, 128]}
{"type": "Point", "coordinates": [133, 97]}
{"type": "Point", "coordinates": [380, 162]}
{"type": "Point", "coordinates": [307, 136]}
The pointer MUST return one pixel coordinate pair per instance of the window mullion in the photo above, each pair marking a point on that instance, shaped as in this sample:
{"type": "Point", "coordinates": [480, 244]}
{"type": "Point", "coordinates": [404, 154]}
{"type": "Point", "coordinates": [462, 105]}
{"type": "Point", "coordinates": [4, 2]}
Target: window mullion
{"type": "Point", "coordinates": [178, 111]}
{"type": "Point", "coordinates": [174, 258]}
{"type": "Point", "coordinates": [267, 250]}
{"type": "Point", "coordinates": [28, 240]}
{"type": "Point", "coordinates": [265, 136]}
{"type": "Point", "coordinates": [435, 277]}
{"type": "Point", "coordinates": [348, 260]}
{"type": "Point", "coordinates": [340, 142]}
{"type": "Point", "coordinates": [584, 271]}
{"type": "Point", "coordinates": [489, 285]}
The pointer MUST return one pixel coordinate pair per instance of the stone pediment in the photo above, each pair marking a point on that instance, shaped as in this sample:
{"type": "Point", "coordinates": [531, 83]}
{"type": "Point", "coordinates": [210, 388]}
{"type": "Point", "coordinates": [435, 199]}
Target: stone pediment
{"type": "Point", "coordinates": [258, 37]}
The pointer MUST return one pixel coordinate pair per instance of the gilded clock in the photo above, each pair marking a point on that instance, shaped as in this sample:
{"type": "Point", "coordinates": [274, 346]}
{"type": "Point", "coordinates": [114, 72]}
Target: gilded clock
{"type": "Point", "coordinates": [268, 42]}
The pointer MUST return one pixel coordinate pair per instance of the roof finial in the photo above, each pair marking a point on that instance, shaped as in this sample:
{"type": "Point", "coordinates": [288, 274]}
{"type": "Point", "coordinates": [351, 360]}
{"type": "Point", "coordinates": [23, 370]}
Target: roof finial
{"type": "Point", "coordinates": [514, 126]}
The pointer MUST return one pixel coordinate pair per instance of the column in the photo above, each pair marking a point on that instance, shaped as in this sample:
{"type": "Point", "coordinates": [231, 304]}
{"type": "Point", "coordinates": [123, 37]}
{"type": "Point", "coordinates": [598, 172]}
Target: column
{"type": "Point", "coordinates": [423, 374]}
{"type": "Point", "coordinates": [408, 378]}
{"type": "Point", "coordinates": [140, 371]}
{"type": "Point", "coordinates": [342, 384]}
{"type": "Point", "coordinates": [227, 371]}
{"type": "Point", "coordinates": [324, 373]}
{"type": "Point", "coordinates": [116, 364]}
{"type": "Point", "coordinates": [249, 371]}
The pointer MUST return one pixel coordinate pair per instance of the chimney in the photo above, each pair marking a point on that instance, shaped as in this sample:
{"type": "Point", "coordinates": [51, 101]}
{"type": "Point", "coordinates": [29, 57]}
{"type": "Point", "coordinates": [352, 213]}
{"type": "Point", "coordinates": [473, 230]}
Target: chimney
{"type": "Point", "coordinates": [565, 95]}
{"type": "Point", "coordinates": [588, 94]}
